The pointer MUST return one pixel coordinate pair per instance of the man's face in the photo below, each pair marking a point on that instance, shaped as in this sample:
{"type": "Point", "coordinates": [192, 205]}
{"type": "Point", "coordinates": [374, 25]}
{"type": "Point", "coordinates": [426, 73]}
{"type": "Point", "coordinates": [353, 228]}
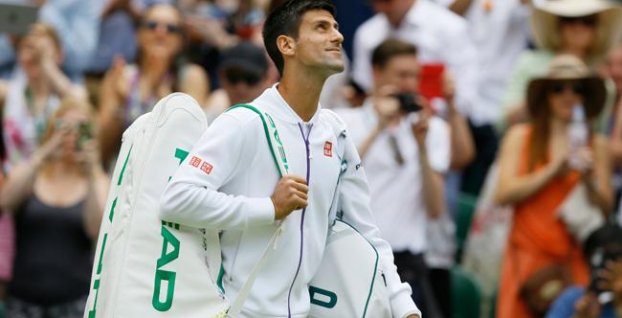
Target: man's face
{"type": "Point", "coordinates": [319, 42]}
{"type": "Point", "coordinates": [401, 72]}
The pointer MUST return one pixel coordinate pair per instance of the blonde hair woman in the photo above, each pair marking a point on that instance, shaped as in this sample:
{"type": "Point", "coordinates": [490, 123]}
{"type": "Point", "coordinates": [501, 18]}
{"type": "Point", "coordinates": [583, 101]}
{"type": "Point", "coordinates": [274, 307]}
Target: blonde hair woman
{"type": "Point", "coordinates": [57, 199]}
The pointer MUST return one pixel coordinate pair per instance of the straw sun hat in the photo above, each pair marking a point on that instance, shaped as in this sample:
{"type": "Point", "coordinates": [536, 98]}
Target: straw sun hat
{"type": "Point", "coordinates": [563, 68]}
{"type": "Point", "coordinates": [545, 19]}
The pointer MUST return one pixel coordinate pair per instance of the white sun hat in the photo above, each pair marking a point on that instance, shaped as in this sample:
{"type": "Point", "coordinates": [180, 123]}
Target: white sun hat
{"type": "Point", "coordinates": [546, 14]}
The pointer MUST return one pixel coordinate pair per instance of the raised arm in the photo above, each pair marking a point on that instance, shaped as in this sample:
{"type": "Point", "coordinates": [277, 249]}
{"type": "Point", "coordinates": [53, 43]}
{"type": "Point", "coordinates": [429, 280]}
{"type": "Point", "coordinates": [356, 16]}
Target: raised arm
{"type": "Point", "coordinates": [113, 91]}
{"type": "Point", "coordinates": [513, 188]}
{"type": "Point", "coordinates": [598, 180]}
{"type": "Point", "coordinates": [98, 183]}
{"type": "Point", "coordinates": [195, 83]}
{"type": "Point", "coordinates": [20, 181]}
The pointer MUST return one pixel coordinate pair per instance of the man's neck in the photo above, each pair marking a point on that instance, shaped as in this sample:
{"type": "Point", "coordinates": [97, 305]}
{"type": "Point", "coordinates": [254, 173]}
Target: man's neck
{"type": "Point", "coordinates": [301, 90]}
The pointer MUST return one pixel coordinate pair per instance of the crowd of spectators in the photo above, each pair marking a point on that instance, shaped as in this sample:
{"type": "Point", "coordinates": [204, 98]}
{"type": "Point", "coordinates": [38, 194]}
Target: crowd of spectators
{"type": "Point", "coordinates": [435, 93]}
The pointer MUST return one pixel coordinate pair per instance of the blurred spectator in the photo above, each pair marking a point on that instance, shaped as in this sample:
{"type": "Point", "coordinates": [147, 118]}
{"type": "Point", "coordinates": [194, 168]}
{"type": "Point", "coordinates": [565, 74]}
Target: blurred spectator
{"type": "Point", "coordinates": [32, 93]}
{"type": "Point", "coordinates": [243, 74]}
{"type": "Point", "coordinates": [216, 25]}
{"type": "Point", "coordinates": [585, 29]}
{"type": "Point", "coordinates": [500, 31]}
{"type": "Point", "coordinates": [612, 69]}
{"type": "Point", "coordinates": [222, 24]}
{"type": "Point", "coordinates": [603, 298]}
{"type": "Point", "coordinates": [117, 35]}
{"type": "Point", "coordinates": [405, 151]}
{"type": "Point", "coordinates": [28, 98]}
{"type": "Point", "coordinates": [536, 176]}
{"type": "Point", "coordinates": [57, 198]}
{"type": "Point", "coordinates": [129, 91]}
{"type": "Point", "coordinates": [440, 36]}
{"type": "Point", "coordinates": [75, 21]}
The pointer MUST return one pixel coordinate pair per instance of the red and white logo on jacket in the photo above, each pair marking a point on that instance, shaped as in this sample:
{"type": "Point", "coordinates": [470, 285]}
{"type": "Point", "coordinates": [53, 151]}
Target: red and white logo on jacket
{"type": "Point", "coordinates": [328, 149]}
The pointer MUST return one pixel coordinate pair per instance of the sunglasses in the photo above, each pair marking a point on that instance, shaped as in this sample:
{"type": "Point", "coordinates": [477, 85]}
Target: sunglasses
{"type": "Point", "coordinates": [589, 20]}
{"type": "Point", "coordinates": [559, 88]}
{"type": "Point", "coordinates": [169, 27]}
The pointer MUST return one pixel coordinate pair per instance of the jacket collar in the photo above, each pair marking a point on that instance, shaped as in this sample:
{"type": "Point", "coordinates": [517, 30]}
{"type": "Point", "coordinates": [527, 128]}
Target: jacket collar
{"type": "Point", "coordinates": [272, 102]}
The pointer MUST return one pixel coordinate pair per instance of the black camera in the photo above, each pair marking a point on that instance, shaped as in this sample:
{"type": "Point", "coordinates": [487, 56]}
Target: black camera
{"type": "Point", "coordinates": [602, 246]}
{"type": "Point", "coordinates": [408, 102]}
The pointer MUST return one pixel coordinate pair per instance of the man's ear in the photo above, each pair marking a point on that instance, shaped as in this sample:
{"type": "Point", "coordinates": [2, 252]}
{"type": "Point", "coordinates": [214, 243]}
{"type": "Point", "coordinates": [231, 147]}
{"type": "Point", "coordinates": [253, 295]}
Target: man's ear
{"type": "Point", "coordinates": [286, 45]}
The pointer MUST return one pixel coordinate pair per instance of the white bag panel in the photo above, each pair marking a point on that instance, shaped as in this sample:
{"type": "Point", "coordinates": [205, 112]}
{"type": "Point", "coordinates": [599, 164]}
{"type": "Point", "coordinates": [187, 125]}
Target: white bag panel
{"type": "Point", "coordinates": [349, 282]}
{"type": "Point", "coordinates": [151, 269]}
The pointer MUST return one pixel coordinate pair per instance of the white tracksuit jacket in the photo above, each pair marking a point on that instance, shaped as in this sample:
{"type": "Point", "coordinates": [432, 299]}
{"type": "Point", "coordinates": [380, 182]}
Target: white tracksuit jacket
{"type": "Point", "coordinates": [230, 189]}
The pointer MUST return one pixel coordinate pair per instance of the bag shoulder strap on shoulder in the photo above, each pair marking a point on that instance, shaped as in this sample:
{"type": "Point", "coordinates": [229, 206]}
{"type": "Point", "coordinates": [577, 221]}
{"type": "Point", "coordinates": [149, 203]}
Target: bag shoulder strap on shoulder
{"type": "Point", "coordinates": [272, 136]}
{"type": "Point", "coordinates": [280, 161]}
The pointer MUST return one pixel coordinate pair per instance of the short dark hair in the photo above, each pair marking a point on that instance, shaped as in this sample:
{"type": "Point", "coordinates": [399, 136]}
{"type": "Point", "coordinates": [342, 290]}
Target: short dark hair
{"type": "Point", "coordinates": [285, 20]}
{"type": "Point", "coordinates": [389, 49]}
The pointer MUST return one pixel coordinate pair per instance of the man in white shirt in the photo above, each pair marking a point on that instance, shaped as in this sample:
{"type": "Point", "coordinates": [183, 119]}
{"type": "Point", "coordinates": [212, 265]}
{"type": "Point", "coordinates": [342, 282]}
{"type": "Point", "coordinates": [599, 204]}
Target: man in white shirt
{"type": "Point", "coordinates": [440, 36]}
{"type": "Point", "coordinates": [230, 182]}
{"type": "Point", "coordinates": [405, 152]}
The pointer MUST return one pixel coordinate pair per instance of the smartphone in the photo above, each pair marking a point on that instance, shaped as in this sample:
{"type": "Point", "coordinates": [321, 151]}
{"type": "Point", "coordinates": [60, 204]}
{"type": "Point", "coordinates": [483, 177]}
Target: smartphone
{"type": "Point", "coordinates": [431, 80]}
{"type": "Point", "coordinates": [16, 18]}
{"type": "Point", "coordinates": [85, 133]}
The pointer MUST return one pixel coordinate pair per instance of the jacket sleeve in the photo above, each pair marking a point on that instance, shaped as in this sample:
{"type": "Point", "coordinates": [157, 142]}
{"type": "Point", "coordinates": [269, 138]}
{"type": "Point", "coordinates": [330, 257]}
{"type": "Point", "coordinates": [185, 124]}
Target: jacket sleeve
{"type": "Point", "coordinates": [354, 203]}
{"type": "Point", "coordinates": [193, 196]}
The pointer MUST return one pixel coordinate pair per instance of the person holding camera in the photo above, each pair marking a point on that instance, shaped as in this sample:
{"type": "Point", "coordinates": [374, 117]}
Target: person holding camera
{"type": "Point", "coordinates": [57, 198]}
{"type": "Point", "coordinates": [603, 296]}
{"type": "Point", "coordinates": [406, 151]}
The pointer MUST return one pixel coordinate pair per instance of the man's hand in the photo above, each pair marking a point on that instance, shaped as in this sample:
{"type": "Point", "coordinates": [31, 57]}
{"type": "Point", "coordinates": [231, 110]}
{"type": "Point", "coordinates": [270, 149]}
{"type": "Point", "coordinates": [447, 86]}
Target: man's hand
{"type": "Point", "coordinates": [387, 107]}
{"type": "Point", "coordinates": [587, 306]}
{"type": "Point", "coordinates": [413, 316]}
{"type": "Point", "coordinates": [290, 194]}
{"type": "Point", "coordinates": [420, 127]}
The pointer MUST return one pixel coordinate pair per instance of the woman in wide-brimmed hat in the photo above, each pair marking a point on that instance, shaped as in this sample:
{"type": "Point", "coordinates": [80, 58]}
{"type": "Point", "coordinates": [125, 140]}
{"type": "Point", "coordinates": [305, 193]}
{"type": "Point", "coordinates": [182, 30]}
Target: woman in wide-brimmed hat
{"type": "Point", "coordinates": [536, 176]}
{"type": "Point", "coordinates": [584, 28]}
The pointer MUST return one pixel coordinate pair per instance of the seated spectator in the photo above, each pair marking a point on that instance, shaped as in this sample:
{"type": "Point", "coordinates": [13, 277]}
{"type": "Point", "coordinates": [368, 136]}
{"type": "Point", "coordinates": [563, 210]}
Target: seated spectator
{"type": "Point", "coordinates": [243, 74]}
{"type": "Point", "coordinates": [536, 176]}
{"type": "Point", "coordinates": [57, 198]}
{"type": "Point", "coordinates": [129, 91]}
{"type": "Point", "coordinates": [586, 29]}
{"type": "Point", "coordinates": [603, 298]}
{"type": "Point", "coordinates": [32, 93]}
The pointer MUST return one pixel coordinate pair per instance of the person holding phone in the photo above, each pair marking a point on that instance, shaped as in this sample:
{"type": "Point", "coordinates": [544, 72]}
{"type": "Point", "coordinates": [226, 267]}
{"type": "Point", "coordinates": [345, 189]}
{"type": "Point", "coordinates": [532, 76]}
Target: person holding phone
{"type": "Point", "coordinates": [57, 198]}
{"type": "Point", "coordinates": [406, 152]}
